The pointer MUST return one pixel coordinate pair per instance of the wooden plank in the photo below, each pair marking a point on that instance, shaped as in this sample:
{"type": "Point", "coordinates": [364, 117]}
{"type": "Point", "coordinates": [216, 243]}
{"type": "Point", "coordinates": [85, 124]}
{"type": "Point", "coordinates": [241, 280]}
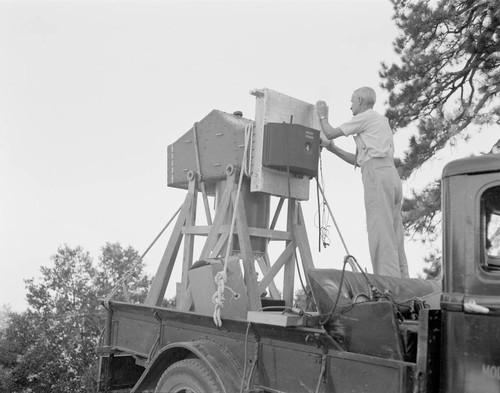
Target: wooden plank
{"type": "Point", "coordinates": [283, 258]}
{"type": "Point", "coordinates": [289, 272]}
{"type": "Point", "coordinates": [220, 216]}
{"type": "Point", "coordinates": [253, 294]}
{"type": "Point", "coordinates": [202, 182]}
{"type": "Point", "coordinates": [204, 230]}
{"type": "Point", "coordinates": [199, 230]}
{"type": "Point", "coordinates": [300, 236]}
{"type": "Point", "coordinates": [188, 239]}
{"type": "Point", "coordinates": [219, 245]}
{"type": "Point", "coordinates": [205, 204]}
{"type": "Point", "coordinates": [274, 318]}
{"type": "Point", "coordinates": [160, 282]}
{"type": "Point", "coordinates": [277, 213]}
{"type": "Point", "coordinates": [265, 267]}
{"type": "Point", "coordinates": [270, 234]}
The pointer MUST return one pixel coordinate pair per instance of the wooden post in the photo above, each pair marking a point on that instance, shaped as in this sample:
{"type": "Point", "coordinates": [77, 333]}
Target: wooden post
{"type": "Point", "coordinates": [189, 239]}
{"type": "Point", "coordinates": [289, 272]}
{"type": "Point", "coordinates": [300, 237]}
{"type": "Point", "coordinates": [254, 302]}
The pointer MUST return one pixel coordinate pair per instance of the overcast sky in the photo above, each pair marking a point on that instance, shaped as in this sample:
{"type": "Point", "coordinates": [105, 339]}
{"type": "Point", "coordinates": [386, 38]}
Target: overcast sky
{"type": "Point", "coordinates": [93, 92]}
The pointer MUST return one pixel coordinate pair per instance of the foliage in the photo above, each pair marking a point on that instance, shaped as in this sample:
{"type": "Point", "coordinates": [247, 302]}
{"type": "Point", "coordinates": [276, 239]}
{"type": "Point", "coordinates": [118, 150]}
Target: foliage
{"type": "Point", "coordinates": [433, 271]}
{"type": "Point", "coordinates": [122, 269]}
{"type": "Point", "coordinates": [421, 209]}
{"type": "Point", "coordinates": [303, 300]}
{"type": "Point", "coordinates": [51, 346]}
{"type": "Point", "coordinates": [447, 79]}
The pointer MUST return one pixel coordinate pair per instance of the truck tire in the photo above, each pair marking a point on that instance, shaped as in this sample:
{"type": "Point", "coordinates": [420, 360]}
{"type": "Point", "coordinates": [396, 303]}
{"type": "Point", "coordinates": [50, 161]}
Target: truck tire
{"type": "Point", "coordinates": [188, 376]}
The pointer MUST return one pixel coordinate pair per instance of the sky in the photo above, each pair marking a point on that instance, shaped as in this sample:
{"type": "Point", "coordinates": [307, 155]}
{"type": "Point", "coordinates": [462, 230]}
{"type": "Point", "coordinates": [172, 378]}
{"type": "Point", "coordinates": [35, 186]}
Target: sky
{"type": "Point", "coordinates": [93, 92]}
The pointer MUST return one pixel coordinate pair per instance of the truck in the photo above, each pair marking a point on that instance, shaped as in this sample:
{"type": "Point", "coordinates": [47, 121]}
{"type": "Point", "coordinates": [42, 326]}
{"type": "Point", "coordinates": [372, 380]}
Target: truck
{"type": "Point", "coordinates": [234, 329]}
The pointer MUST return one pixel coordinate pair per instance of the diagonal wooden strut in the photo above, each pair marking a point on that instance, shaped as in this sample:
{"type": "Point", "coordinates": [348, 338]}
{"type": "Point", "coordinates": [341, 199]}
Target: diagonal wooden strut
{"type": "Point", "coordinates": [159, 285]}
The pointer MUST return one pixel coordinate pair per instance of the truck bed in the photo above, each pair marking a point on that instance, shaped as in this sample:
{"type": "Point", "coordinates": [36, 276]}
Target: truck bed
{"type": "Point", "coordinates": [265, 357]}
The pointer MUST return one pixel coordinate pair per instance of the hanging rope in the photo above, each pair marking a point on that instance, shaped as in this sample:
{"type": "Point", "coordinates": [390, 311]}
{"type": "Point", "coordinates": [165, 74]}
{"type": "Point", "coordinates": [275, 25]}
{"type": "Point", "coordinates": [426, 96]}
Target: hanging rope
{"type": "Point", "coordinates": [122, 282]}
{"type": "Point", "coordinates": [247, 161]}
{"type": "Point", "coordinates": [221, 277]}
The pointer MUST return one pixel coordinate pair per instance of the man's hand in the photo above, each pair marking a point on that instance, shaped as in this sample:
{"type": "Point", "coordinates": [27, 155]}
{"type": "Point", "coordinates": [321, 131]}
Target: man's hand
{"type": "Point", "coordinates": [322, 109]}
{"type": "Point", "coordinates": [324, 142]}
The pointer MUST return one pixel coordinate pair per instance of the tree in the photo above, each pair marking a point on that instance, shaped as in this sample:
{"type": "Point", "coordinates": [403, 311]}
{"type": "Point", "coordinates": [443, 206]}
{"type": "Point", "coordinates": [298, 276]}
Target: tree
{"type": "Point", "coordinates": [63, 307]}
{"type": "Point", "coordinates": [121, 270]}
{"type": "Point", "coordinates": [51, 346]}
{"type": "Point", "coordinates": [447, 80]}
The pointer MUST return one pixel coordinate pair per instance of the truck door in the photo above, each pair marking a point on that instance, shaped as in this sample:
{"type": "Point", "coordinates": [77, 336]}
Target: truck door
{"type": "Point", "coordinates": [471, 295]}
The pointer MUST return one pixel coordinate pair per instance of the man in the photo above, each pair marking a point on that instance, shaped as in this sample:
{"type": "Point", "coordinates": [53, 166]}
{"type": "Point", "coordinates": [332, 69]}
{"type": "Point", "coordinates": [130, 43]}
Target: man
{"type": "Point", "coordinates": [381, 182]}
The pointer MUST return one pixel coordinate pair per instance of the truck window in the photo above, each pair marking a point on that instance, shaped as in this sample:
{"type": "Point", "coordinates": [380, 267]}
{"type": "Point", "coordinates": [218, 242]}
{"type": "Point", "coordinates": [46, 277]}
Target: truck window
{"type": "Point", "coordinates": [490, 228]}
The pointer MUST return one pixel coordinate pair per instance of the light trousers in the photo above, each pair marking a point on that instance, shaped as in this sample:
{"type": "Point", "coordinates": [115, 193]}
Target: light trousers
{"type": "Point", "coordinates": [383, 198]}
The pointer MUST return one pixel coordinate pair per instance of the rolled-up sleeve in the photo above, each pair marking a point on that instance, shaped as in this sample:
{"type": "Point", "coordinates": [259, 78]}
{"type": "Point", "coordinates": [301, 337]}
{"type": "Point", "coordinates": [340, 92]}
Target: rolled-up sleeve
{"type": "Point", "coordinates": [353, 126]}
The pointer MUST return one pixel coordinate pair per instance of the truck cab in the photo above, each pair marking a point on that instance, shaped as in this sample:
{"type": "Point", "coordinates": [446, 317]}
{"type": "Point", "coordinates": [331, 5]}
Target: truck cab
{"type": "Point", "coordinates": [470, 303]}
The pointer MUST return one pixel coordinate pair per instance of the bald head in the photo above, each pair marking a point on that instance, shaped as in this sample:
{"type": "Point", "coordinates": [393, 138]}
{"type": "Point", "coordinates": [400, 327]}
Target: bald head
{"type": "Point", "coordinates": [367, 94]}
{"type": "Point", "coordinates": [362, 99]}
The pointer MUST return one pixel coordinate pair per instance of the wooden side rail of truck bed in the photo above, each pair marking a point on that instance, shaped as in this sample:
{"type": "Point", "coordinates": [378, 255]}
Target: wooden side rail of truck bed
{"type": "Point", "coordinates": [255, 356]}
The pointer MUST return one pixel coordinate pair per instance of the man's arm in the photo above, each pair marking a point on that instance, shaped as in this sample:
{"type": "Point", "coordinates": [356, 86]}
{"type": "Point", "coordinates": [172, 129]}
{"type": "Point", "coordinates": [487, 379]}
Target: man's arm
{"type": "Point", "coordinates": [329, 131]}
{"type": "Point", "coordinates": [332, 133]}
{"type": "Point", "coordinates": [345, 155]}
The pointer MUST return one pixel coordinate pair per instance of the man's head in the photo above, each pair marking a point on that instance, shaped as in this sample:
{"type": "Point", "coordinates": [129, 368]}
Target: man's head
{"type": "Point", "coordinates": [362, 99]}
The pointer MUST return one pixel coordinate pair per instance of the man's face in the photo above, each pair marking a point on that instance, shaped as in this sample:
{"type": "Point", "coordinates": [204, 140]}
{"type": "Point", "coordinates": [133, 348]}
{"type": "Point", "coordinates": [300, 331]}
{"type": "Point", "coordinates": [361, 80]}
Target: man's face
{"type": "Point", "coordinates": [355, 104]}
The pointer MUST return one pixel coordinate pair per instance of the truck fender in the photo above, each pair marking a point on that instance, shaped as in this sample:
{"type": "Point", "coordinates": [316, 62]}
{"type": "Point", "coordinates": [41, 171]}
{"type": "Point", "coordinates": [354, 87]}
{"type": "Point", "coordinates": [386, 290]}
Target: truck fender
{"type": "Point", "coordinates": [216, 358]}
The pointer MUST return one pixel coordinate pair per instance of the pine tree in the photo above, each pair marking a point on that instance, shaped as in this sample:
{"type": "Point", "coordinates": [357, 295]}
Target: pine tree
{"type": "Point", "coordinates": [446, 82]}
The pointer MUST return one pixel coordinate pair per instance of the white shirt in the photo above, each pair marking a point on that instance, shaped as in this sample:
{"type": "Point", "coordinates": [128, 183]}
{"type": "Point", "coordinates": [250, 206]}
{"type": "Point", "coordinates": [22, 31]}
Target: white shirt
{"type": "Point", "coordinates": [372, 134]}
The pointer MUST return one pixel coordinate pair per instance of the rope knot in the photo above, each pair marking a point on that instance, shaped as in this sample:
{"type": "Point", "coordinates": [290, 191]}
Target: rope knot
{"type": "Point", "coordinates": [218, 297]}
{"type": "Point", "coordinates": [220, 277]}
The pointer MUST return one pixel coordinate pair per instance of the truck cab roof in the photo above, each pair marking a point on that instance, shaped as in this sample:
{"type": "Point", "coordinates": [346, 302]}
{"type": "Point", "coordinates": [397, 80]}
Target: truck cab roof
{"type": "Point", "coordinates": [473, 165]}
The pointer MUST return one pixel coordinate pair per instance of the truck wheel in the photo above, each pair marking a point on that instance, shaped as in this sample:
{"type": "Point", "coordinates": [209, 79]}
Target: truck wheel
{"type": "Point", "coordinates": [188, 376]}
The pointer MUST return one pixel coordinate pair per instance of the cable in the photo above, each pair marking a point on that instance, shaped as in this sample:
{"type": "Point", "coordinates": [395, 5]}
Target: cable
{"type": "Point", "coordinates": [324, 232]}
{"type": "Point", "coordinates": [353, 267]}
{"type": "Point", "coordinates": [129, 272]}
{"type": "Point", "coordinates": [245, 358]}
{"type": "Point", "coordinates": [332, 310]}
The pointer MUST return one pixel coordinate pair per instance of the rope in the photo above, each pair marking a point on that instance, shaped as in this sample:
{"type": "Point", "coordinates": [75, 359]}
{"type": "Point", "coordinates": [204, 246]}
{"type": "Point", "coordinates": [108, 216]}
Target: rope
{"type": "Point", "coordinates": [129, 272]}
{"type": "Point", "coordinates": [247, 162]}
{"type": "Point", "coordinates": [221, 277]}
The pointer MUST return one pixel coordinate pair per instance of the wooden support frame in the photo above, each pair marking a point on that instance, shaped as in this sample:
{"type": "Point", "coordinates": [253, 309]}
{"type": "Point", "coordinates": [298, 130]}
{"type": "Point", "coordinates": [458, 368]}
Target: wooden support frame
{"type": "Point", "coordinates": [217, 241]}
